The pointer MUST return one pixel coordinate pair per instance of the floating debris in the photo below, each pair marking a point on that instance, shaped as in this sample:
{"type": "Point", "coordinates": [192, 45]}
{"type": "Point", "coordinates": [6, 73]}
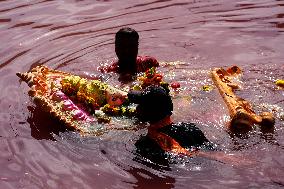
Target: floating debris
{"type": "Point", "coordinates": [280, 83]}
{"type": "Point", "coordinates": [207, 87]}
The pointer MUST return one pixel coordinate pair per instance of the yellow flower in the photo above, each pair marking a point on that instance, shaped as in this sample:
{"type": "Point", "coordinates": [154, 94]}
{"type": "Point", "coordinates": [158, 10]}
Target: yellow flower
{"type": "Point", "coordinates": [206, 88]}
{"type": "Point", "coordinates": [280, 82]}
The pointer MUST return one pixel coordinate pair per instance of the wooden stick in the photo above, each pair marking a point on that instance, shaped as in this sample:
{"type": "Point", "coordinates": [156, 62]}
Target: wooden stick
{"type": "Point", "coordinates": [242, 115]}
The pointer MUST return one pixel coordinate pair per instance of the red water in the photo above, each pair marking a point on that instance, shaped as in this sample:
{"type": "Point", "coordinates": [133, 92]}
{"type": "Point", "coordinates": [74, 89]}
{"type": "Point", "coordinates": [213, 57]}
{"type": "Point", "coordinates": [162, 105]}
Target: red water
{"type": "Point", "coordinates": [77, 36]}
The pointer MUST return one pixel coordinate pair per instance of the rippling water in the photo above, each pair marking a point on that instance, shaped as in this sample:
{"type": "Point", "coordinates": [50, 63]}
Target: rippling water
{"type": "Point", "coordinates": [77, 36]}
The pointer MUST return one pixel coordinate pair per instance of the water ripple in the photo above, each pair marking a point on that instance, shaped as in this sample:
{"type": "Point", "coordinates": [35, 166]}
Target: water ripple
{"type": "Point", "coordinates": [77, 36]}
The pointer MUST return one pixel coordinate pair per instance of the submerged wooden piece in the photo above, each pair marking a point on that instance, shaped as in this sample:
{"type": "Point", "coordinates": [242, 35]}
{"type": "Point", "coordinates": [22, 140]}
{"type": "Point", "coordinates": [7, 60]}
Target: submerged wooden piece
{"type": "Point", "coordinates": [241, 112]}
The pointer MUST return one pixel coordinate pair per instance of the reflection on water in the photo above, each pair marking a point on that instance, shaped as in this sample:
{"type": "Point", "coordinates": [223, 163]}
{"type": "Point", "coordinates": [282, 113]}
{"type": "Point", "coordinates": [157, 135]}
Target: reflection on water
{"type": "Point", "coordinates": [42, 125]}
{"type": "Point", "coordinates": [77, 36]}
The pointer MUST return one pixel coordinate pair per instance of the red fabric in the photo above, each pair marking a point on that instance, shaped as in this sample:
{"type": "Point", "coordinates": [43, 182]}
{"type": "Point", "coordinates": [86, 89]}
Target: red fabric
{"type": "Point", "coordinates": [167, 143]}
{"type": "Point", "coordinates": [143, 63]}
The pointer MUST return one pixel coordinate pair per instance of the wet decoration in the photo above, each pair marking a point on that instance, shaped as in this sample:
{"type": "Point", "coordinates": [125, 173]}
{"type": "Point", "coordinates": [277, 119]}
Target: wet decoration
{"type": "Point", "coordinates": [73, 100]}
{"type": "Point", "coordinates": [241, 112]}
{"type": "Point", "coordinates": [151, 77]}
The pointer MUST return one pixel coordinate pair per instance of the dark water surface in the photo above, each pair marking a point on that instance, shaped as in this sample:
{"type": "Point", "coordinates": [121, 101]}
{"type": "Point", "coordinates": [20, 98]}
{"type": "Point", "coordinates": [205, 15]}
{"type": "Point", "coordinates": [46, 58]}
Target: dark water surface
{"type": "Point", "coordinates": [77, 36]}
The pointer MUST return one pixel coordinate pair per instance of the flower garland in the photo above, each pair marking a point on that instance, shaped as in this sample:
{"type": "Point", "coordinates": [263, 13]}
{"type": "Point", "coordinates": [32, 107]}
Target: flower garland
{"type": "Point", "coordinates": [119, 111]}
{"type": "Point", "coordinates": [151, 77]}
{"type": "Point", "coordinates": [91, 93]}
